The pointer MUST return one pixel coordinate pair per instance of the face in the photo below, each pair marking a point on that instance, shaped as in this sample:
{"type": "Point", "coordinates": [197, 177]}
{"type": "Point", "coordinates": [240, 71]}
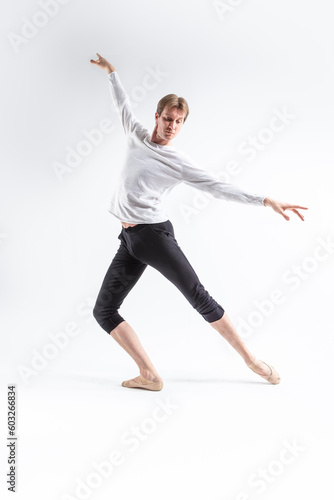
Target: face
{"type": "Point", "coordinates": [169, 123]}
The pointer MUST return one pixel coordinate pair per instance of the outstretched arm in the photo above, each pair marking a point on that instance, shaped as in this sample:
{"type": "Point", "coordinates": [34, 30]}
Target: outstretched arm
{"type": "Point", "coordinates": [280, 207]}
{"type": "Point", "coordinates": [195, 176]}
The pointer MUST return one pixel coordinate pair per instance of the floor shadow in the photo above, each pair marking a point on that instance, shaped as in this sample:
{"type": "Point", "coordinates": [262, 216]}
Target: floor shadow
{"type": "Point", "coordinates": [94, 380]}
{"type": "Point", "coordinates": [216, 381]}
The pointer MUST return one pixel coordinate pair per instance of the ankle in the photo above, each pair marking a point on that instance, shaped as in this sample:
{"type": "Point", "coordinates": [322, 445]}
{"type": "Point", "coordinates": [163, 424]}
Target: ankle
{"type": "Point", "coordinates": [250, 360]}
{"type": "Point", "coordinates": [150, 374]}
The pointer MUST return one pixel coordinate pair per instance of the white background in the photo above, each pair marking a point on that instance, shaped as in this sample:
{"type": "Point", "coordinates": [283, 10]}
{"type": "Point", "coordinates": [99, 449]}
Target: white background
{"type": "Point", "coordinates": [57, 239]}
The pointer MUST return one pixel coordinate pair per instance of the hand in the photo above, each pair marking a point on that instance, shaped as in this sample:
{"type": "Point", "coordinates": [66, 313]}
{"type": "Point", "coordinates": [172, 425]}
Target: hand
{"type": "Point", "coordinates": [279, 207]}
{"type": "Point", "coordinates": [103, 63]}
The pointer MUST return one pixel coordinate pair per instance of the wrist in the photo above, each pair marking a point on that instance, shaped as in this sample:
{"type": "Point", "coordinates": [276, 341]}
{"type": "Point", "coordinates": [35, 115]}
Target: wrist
{"type": "Point", "coordinates": [267, 201]}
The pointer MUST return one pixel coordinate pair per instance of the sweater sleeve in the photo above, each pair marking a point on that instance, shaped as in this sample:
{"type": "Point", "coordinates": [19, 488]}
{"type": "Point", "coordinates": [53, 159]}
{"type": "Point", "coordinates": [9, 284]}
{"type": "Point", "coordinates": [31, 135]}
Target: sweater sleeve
{"type": "Point", "coordinates": [198, 178]}
{"type": "Point", "coordinates": [122, 104]}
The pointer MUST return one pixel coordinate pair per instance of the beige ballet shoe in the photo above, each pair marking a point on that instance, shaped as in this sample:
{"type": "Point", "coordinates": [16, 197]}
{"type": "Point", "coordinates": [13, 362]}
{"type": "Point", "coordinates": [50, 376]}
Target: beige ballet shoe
{"type": "Point", "coordinates": [143, 383]}
{"type": "Point", "coordinates": [273, 378]}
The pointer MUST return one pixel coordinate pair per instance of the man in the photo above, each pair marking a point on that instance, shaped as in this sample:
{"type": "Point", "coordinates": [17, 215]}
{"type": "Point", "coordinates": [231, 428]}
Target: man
{"type": "Point", "coordinates": [152, 168]}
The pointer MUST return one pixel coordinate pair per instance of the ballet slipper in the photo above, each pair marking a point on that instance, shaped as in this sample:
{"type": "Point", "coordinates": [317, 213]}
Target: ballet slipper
{"type": "Point", "coordinates": [273, 378]}
{"type": "Point", "coordinates": [143, 383]}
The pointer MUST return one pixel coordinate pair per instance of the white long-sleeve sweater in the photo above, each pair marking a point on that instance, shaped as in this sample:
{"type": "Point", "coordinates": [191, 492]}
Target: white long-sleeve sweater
{"type": "Point", "coordinates": [151, 170]}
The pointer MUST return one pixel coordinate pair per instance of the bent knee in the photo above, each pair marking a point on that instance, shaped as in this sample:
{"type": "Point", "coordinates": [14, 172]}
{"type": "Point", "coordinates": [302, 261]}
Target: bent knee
{"type": "Point", "coordinates": [107, 318]}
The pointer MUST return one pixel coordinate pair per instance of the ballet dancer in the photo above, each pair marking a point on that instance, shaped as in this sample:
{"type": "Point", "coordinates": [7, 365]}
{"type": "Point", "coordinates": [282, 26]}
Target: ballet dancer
{"type": "Point", "coordinates": [152, 167]}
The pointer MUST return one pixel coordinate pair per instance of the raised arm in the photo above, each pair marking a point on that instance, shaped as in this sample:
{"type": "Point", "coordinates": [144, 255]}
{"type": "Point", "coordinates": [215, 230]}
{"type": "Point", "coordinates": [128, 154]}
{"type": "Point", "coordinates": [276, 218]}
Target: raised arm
{"type": "Point", "coordinates": [119, 96]}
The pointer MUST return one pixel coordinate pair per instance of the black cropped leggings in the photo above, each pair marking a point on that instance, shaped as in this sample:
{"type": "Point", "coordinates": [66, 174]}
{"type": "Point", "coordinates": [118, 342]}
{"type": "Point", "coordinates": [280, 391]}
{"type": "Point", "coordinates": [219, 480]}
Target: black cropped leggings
{"type": "Point", "coordinates": [154, 245]}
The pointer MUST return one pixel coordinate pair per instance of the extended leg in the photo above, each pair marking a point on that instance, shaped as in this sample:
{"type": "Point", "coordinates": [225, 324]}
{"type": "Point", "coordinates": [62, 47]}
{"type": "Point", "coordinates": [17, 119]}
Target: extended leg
{"type": "Point", "coordinates": [227, 330]}
{"type": "Point", "coordinates": [168, 258]}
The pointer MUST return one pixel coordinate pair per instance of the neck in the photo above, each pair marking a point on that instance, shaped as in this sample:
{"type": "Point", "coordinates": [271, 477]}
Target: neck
{"type": "Point", "coordinates": [158, 140]}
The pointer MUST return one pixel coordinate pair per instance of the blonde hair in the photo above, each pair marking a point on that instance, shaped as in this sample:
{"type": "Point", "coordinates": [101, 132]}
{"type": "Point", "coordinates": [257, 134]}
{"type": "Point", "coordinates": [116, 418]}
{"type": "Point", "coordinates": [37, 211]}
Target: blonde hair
{"type": "Point", "coordinates": [171, 101]}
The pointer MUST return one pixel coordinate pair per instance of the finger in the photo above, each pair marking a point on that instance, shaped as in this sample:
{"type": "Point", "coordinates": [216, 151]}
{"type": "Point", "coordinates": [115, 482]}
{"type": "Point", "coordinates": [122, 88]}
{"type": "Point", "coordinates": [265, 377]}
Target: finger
{"type": "Point", "coordinates": [299, 215]}
{"type": "Point", "coordinates": [297, 206]}
{"type": "Point", "coordinates": [286, 217]}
